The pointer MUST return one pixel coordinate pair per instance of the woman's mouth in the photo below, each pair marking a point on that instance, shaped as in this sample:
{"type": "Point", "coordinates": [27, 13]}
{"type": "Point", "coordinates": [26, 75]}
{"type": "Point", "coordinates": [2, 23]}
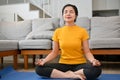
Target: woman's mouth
{"type": "Point", "coordinates": [68, 17]}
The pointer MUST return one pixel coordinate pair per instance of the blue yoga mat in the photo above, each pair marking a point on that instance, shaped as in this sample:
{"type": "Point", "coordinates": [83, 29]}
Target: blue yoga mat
{"type": "Point", "coordinates": [10, 74]}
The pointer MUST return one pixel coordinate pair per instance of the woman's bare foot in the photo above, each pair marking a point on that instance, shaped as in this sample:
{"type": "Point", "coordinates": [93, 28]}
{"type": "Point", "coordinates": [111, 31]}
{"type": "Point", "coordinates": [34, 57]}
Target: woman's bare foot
{"type": "Point", "coordinates": [82, 76]}
{"type": "Point", "coordinates": [71, 74]}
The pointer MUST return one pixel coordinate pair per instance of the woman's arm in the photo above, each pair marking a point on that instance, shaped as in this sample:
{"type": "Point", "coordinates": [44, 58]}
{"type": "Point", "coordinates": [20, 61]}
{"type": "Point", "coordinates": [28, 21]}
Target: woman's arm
{"type": "Point", "coordinates": [88, 54]}
{"type": "Point", "coordinates": [53, 54]}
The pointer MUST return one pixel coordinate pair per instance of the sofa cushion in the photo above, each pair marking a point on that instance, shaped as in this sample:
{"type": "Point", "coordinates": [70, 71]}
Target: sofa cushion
{"type": "Point", "coordinates": [2, 37]}
{"type": "Point", "coordinates": [35, 44]}
{"type": "Point", "coordinates": [84, 22]}
{"type": "Point", "coordinates": [42, 32]}
{"type": "Point", "coordinates": [81, 21]}
{"type": "Point", "coordinates": [40, 35]}
{"type": "Point", "coordinates": [42, 21]}
{"type": "Point", "coordinates": [15, 30]}
{"type": "Point", "coordinates": [104, 43]}
{"type": "Point", "coordinates": [8, 45]}
{"type": "Point", "coordinates": [45, 27]}
{"type": "Point", "coordinates": [105, 27]}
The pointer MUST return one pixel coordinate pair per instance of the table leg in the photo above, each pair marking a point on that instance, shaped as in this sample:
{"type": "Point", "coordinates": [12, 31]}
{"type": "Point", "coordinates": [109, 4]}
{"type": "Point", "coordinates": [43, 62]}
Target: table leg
{"type": "Point", "coordinates": [25, 61]}
{"type": "Point", "coordinates": [15, 61]}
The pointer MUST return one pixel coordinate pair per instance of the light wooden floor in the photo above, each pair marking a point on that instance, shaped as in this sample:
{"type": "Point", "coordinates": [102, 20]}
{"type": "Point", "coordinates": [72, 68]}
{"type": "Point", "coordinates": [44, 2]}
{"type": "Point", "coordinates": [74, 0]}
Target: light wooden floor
{"type": "Point", "coordinates": [107, 66]}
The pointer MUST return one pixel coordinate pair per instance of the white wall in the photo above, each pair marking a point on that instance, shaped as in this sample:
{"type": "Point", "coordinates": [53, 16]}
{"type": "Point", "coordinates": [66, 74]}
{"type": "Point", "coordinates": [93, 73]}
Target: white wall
{"type": "Point", "coordinates": [23, 10]}
{"type": "Point", "coordinates": [7, 17]}
{"type": "Point", "coordinates": [84, 7]}
{"type": "Point", "coordinates": [29, 15]}
{"type": "Point", "coordinates": [14, 8]}
{"type": "Point", "coordinates": [55, 8]}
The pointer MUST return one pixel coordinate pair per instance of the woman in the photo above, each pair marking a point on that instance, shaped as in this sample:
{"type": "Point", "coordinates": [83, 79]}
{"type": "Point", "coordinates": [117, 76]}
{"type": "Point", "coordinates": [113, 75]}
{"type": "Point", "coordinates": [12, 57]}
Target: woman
{"type": "Point", "coordinates": [76, 60]}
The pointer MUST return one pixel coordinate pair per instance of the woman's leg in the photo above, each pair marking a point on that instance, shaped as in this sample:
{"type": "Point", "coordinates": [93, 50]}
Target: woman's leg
{"type": "Point", "coordinates": [56, 71]}
{"type": "Point", "coordinates": [89, 71]}
{"type": "Point", "coordinates": [47, 69]}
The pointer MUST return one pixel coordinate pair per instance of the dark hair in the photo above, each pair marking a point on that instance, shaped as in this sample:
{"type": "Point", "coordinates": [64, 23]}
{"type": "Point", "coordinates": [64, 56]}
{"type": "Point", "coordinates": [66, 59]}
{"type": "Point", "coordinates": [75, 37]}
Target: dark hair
{"type": "Point", "coordinates": [74, 7]}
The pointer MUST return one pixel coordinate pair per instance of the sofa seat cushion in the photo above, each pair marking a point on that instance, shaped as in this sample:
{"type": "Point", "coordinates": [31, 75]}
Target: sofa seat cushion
{"type": "Point", "coordinates": [8, 45]}
{"type": "Point", "coordinates": [35, 44]}
{"type": "Point", "coordinates": [104, 43]}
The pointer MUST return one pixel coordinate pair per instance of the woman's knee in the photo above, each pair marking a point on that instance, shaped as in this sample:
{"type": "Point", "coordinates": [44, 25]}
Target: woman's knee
{"type": "Point", "coordinates": [92, 73]}
{"type": "Point", "coordinates": [38, 70]}
{"type": "Point", "coordinates": [97, 71]}
{"type": "Point", "coordinates": [43, 71]}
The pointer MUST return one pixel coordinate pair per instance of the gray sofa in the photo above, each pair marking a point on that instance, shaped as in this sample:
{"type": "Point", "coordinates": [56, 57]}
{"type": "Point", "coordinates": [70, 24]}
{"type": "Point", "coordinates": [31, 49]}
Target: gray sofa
{"type": "Point", "coordinates": [10, 35]}
{"type": "Point", "coordinates": [33, 37]}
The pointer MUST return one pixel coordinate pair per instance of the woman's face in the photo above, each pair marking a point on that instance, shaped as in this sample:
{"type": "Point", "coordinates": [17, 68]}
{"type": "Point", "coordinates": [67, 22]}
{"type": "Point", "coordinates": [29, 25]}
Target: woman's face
{"type": "Point", "coordinates": [69, 14]}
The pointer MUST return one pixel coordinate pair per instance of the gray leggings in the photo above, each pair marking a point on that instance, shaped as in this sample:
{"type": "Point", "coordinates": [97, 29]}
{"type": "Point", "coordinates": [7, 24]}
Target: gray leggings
{"type": "Point", "coordinates": [91, 72]}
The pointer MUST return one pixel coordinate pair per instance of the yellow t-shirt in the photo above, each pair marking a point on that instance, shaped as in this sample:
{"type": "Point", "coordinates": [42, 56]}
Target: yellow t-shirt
{"type": "Point", "coordinates": [70, 41]}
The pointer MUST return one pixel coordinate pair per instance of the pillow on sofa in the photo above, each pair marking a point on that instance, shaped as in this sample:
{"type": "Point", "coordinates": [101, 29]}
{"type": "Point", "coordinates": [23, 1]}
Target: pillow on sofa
{"type": "Point", "coordinates": [45, 27]}
{"type": "Point", "coordinates": [42, 32]}
{"type": "Point", "coordinates": [16, 30]}
{"type": "Point", "coordinates": [105, 27]}
{"type": "Point", "coordinates": [40, 35]}
{"type": "Point", "coordinates": [2, 37]}
{"type": "Point", "coordinates": [41, 21]}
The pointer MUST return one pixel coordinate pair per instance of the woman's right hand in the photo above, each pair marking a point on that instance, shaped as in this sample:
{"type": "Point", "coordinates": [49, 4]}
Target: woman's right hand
{"type": "Point", "coordinates": [39, 62]}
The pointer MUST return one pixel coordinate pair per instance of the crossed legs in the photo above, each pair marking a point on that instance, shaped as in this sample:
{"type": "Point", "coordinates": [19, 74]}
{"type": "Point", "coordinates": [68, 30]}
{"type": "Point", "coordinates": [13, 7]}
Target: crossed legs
{"type": "Point", "coordinates": [68, 74]}
{"type": "Point", "coordinates": [81, 71]}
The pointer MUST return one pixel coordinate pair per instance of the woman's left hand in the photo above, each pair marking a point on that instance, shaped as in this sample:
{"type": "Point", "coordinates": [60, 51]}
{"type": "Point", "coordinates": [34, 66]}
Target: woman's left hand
{"type": "Point", "coordinates": [96, 62]}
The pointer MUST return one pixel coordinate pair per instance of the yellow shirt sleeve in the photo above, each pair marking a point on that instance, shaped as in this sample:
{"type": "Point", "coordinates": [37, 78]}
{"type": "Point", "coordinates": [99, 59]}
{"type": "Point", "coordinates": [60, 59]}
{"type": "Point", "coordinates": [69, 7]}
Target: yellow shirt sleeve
{"type": "Point", "coordinates": [85, 35]}
{"type": "Point", "coordinates": [55, 36]}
